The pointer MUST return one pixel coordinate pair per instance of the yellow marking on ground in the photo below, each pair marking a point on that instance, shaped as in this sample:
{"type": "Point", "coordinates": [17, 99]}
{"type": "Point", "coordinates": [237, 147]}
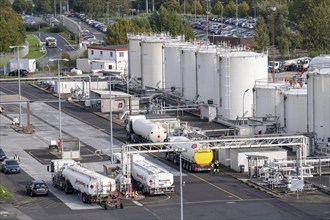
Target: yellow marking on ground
{"type": "Point", "coordinates": [216, 186]}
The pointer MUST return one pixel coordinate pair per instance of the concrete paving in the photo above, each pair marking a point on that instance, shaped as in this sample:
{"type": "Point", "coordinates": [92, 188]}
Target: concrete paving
{"type": "Point", "coordinates": [45, 122]}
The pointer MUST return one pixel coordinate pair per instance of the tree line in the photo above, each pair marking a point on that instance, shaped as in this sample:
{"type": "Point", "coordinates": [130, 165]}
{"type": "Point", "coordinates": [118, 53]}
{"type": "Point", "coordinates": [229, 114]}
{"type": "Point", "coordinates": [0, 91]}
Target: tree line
{"type": "Point", "coordinates": [293, 24]}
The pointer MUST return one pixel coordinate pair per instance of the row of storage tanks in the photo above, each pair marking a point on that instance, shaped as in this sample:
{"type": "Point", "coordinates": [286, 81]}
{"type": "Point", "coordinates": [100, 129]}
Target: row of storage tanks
{"type": "Point", "coordinates": [209, 73]}
{"type": "Point", "coordinates": [234, 81]}
{"type": "Point", "coordinates": [301, 106]}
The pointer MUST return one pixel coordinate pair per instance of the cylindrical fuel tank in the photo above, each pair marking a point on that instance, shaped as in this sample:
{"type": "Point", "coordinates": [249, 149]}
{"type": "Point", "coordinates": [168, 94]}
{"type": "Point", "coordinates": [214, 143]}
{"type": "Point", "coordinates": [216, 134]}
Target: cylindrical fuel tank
{"type": "Point", "coordinates": [149, 130]}
{"type": "Point", "coordinates": [88, 181]}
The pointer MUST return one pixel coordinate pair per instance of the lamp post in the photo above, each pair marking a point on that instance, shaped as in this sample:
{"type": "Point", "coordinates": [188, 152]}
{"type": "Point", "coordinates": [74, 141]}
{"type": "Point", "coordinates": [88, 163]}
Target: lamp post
{"type": "Point", "coordinates": [19, 81]}
{"type": "Point", "coordinates": [181, 150]}
{"type": "Point", "coordinates": [59, 94]}
{"type": "Point", "coordinates": [243, 103]}
{"type": "Point", "coordinates": [273, 42]}
{"type": "Point", "coordinates": [207, 20]}
{"type": "Point", "coordinates": [110, 120]}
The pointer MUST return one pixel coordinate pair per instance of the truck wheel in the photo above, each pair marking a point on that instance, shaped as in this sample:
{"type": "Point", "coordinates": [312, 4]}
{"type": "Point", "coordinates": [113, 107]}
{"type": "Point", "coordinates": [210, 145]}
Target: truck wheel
{"type": "Point", "coordinates": [66, 189]}
{"type": "Point", "coordinates": [83, 198]}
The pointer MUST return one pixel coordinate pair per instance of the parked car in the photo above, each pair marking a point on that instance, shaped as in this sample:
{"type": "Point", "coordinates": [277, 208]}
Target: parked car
{"type": "Point", "coordinates": [10, 166]}
{"type": "Point", "coordinates": [37, 187]}
{"type": "Point", "coordinates": [2, 155]}
{"type": "Point", "coordinates": [23, 72]}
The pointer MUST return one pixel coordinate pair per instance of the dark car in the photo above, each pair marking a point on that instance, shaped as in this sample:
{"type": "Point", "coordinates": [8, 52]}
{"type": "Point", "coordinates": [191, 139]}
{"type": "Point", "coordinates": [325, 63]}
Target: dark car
{"type": "Point", "coordinates": [10, 166]}
{"type": "Point", "coordinates": [2, 155]}
{"type": "Point", "coordinates": [37, 187]}
{"type": "Point", "coordinates": [23, 72]}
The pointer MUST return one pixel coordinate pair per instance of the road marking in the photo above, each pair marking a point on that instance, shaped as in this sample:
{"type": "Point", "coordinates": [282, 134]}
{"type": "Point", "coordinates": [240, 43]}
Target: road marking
{"type": "Point", "coordinates": [137, 203]}
{"type": "Point", "coordinates": [216, 186]}
{"type": "Point", "coordinates": [167, 198]}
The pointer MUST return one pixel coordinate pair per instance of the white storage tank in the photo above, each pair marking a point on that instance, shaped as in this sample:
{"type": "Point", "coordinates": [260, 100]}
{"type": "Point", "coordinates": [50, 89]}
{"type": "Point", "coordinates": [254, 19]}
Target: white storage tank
{"type": "Point", "coordinates": [152, 63]}
{"type": "Point", "coordinates": [207, 75]}
{"type": "Point", "coordinates": [267, 98]}
{"type": "Point", "coordinates": [134, 57]}
{"type": "Point", "coordinates": [188, 68]}
{"type": "Point", "coordinates": [318, 80]}
{"type": "Point", "coordinates": [172, 65]}
{"type": "Point", "coordinates": [293, 117]}
{"type": "Point", "coordinates": [238, 72]}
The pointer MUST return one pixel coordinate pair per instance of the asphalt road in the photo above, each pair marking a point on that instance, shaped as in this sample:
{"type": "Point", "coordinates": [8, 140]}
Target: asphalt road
{"type": "Point", "coordinates": [53, 53]}
{"type": "Point", "coordinates": [205, 196]}
{"type": "Point", "coordinates": [98, 34]}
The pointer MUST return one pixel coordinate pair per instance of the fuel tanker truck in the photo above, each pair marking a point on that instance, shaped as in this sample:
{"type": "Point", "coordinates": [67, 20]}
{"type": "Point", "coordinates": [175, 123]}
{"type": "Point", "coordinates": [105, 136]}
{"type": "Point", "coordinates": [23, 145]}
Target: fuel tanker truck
{"type": "Point", "coordinates": [197, 157]}
{"type": "Point", "coordinates": [91, 186]}
{"type": "Point", "coordinates": [153, 179]}
{"type": "Point", "coordinates": [139, 129]}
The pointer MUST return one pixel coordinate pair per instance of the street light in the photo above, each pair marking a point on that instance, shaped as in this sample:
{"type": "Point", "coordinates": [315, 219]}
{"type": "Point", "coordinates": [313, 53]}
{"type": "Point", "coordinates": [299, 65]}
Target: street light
{"type": "Point", "coordinates": [243, 103]}
{"type": "Point", "coordinates": [181, 150]}
{"type": "Point", "coordinates": [59, 94]}
{"type": "Point", "coordinates": [207, 20]}
{"type": "Point", "coordinates": [110, 120]}
{"type": "Point", "coordinates": [19, 81]}
{"type": "Point", "coordinates": [273, 42]}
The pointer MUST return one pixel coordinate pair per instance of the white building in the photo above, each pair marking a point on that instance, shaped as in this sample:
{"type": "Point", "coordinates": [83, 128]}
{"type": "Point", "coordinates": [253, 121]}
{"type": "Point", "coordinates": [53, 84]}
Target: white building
{"type": "Point", "coordinates": [113, 57]}
{"type": "Point", "coordinates": [100, 100]}
{"type": "Point", "coordinates": [28, 64]}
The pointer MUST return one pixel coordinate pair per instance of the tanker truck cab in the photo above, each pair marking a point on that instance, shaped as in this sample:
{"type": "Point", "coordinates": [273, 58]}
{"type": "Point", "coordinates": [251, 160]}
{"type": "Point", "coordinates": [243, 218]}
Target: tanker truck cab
{"type": "Point", "coordinates": [197, 157]}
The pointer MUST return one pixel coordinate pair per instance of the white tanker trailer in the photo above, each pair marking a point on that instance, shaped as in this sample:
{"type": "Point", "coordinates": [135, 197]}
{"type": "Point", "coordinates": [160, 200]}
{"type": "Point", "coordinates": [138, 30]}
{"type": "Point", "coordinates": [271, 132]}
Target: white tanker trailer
{"type": "Point", "coordinates": [139, 129]}
{"type": "Point", "coordinates": [197, 157]}
{"type": "Point", "coordinates": [154, 179]}
{"type": "Point", "coordinates": [91, 186]}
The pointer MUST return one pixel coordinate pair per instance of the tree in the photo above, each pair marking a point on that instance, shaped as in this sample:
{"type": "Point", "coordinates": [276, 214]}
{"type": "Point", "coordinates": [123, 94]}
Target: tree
{"type": "Point", "coordinates": [196, 7]}
{"type": "Point", "coordinates": [261, 37]}
{"type": "Point", "coordinates": [217, 9]}
{"type": "Point", "coordinates": [230, 9]}
{"type": "Point", "coordinates": [5, 4]}
{"type": "Point", "coordinates": [171, 5]}
{"type": "Point", "coordinates": [186, 7]}
{"type": "Point", "coordinates": [11, 26]}
{"type": "Point", "coordinates": [243, 9]}
{"type": "Point", "coordinates": [43, 6]}
{"type": "Point", "coordinates": [141, 25]}
{"type": "Point", "coordinates": [117, 33]}
{"type": "Point", "coordinates": [21, 6]}
{"type": "Point", "coordinates": [188, 32]}
{"type": "Point", "coordinates": [315, 27]}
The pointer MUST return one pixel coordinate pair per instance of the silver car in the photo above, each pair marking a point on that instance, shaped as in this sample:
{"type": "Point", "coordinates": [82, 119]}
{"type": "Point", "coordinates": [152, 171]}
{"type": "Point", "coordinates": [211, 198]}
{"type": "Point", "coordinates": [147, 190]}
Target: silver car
{"type": "Point", "coordinates": [10, 166]}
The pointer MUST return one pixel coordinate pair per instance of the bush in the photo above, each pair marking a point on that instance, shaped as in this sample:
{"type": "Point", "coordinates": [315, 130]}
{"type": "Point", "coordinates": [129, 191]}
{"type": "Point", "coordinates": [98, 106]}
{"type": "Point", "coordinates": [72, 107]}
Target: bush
{"type": "Point", "coordinates": [35, 27]}
{"type": "Point", "coordinates": [58, 29]}
{"type": "Point", "coordinates": [32, 27]}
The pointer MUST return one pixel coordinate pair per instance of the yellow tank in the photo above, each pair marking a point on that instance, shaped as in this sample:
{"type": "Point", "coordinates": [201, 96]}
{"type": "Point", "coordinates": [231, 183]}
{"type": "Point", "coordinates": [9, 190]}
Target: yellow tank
{"type": "Point", "coordinates": [203, 157]}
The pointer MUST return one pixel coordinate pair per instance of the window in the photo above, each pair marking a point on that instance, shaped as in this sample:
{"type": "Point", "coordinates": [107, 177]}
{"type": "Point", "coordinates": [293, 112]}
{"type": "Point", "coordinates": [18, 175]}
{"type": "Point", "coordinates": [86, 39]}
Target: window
{"type": "Point", "coordinates": [121, 54]}
{"type": "Point", "coordinates": [92, 52]}
{"type": "Point", "coordinates": [110, 54]}
{"type": "Point", "coordinates": [101, 52]}
{"type": "Point", "coordinates": [110, 67]}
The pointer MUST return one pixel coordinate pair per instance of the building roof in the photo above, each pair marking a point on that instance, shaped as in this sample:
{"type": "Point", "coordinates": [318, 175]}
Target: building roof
{"type": "Point", "coordinates": [110, 47]}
